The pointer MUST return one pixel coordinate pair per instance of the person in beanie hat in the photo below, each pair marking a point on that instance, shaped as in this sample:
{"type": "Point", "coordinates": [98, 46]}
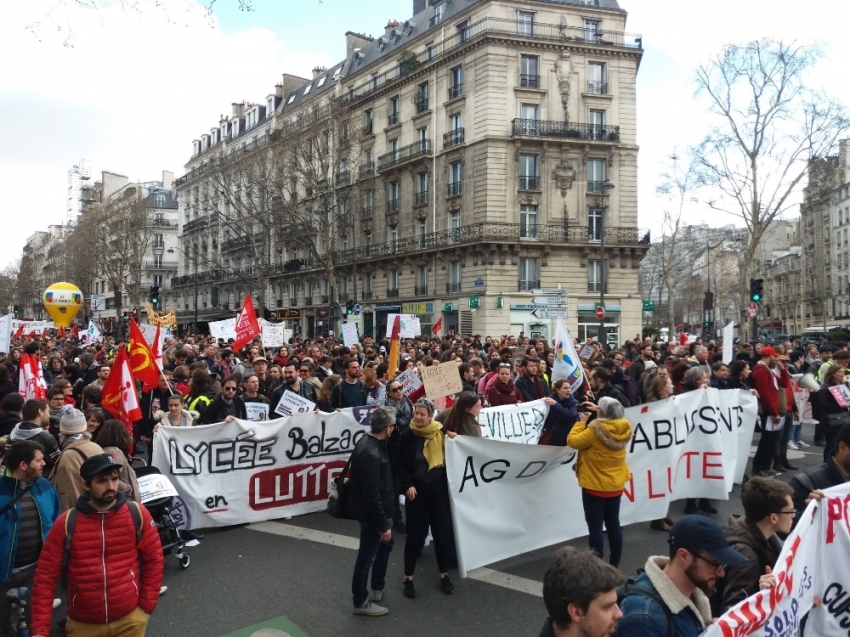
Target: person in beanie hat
{"type": "Point", "coordinates": [76, 446]}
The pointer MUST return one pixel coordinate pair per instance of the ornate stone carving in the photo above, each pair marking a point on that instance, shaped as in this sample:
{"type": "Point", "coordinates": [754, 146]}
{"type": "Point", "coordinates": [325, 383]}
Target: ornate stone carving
{"type": "Point", "coordinates": [564, 174]}
{"type": "Point", "coordinates": [564, 71]}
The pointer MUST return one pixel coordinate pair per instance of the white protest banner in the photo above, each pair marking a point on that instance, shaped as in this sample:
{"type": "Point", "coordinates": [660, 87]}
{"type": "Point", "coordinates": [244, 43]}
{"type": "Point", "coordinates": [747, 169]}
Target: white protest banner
{"type": "Point", "coordinates": [813, 563]}
{"type": "Point", "coordinates": [801, 397]}
{"type": "Point", "coordinates": [6, 333]}
{"type": "Point", "coordinates": [224, 330]}
{"type": "Point", "coordinates": [410, 327]}
{"type": "Point", "coordinates": [409, 381]}
{"type": "Point", "coordinates": [149, 332]}
{"type": "Point", "coordinates": [514, 423]}
{"type": "Point", "coordinates": [729, 342]}
{"type": "Point", "coordinates": [241, 471]}
{"type": "Point", "coordinates": [441, 380]}
{"type": "Point", "coordinates": [30, 327]}
{"type": "Point", "coordinates": [291, 403]}
{"type": "Point", "coordinates": [350, 335]}
{"type": "Point", "coordinates": [257, 411]}
{"type": "Point", "coordinates": [287, 336]}
{"type": "Point", "coordinates": [682, 447]}
{"type": "Point", "coordinates": [273, 334]}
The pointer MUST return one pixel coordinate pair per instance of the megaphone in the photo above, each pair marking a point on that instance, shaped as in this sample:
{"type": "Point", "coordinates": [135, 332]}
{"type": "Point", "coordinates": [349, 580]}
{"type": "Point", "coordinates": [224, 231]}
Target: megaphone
{"type": "Point", "coordinates": [810, 382]}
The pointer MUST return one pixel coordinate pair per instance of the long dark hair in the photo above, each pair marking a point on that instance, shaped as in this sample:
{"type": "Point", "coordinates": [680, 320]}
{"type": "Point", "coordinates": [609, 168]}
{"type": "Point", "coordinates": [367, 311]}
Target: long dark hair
{"type": "Point", "coordinates": [457, 415]}
{"type": "Point", "coordinates": [113, 433]}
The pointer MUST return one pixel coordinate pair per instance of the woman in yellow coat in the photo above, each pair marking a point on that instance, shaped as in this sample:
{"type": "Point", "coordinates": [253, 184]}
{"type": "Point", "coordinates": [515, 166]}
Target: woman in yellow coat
{"type": "Point", "coordinates": [602, 472]}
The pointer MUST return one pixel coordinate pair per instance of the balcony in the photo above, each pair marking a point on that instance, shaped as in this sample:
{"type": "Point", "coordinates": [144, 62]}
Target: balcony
{"type": "Point", "coordinates": [160, 265]}
{"type": "Point", "coordinates": [392, 119]}
{"type": "Point", "coordinates": [196, 224]}
{"type": "Point", "coordinates": [366, 170]}
{"type": "Point", "coordinates": [421, 198]}
{"type": "Point", "coordinates": [343, 178]}
{"type": "Point", "coordinates": [597, 286]}
{"type": "Point", "coordinates": [453, 138]}
{"type": "Point", "coordinates": [455, 188]}
{"type": "Point", "coordinates": [308, 300]}
{"type": "Point", "coordinates": [528, 285]}
{"type": "Point", "coordinates": [293, 301]}
{"type": "Point", "coordinates": [595, 87]}
{"type": "Point", "coordinates": [367, 128]}
{"type": "Point", "coordinates": [406, 154]}
{"type": "Point", "coordinates": [366, 213]}
{"type": "Point", "coordinates": [529, 231]}
{"type": "Point", "coordinates": [367, 295]}
{"type": "Point", "coordinates": [565, 130]}
{"type": "Point", "coordinates": [529, 183]}
{"type": "Point", "coordinates": [326, 299]}
{"type": "Point", "coordinates": [392, 205]}
{"type": "Point", "coordinates": [392, 293]}
{"type": "Point", "coordinates": [596, 187]}
{"type": "Point", "coordinates": [453, 287]}
{"type": "Point", "coordinates": [343, 297]}
{"type": "Point", "coordinates": [422, 105]}
{"type": "Point", "coordinates": [529, 81]}
{"type": "Point", "coordinates": [456, 90]}
{"type": "Point", "coordinates": [420, 290]}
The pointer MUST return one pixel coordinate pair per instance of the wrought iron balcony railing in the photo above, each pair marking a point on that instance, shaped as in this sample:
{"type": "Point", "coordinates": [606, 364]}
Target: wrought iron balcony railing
{"type": "Point", "coordinates": [526, 285]}
{"type": "Point", "coordinates": [455, 188]}
{"type": "Point", "coordinates": [529, 183]}
{"type": "Point", "coordinates": [405, 154]}
{"type": "Point", "coordinates": [529, 81]}
{"type": "Point", "coordinates": [453, 138]}
{"type": "Point", "coordinates": [456, 90]}
{"type": "Point", "coordinates": [597, 87]}
{"type": "Point", "coordinates": [420, 290]}
{"type": "Point", "coordinates": [421, 198]}
{"type": "Point", "coordinates": [565, 130]}
{"type": "Point", "coordinates": [453, 287]}
{"type": "Point", "coordinates": [366, 170]}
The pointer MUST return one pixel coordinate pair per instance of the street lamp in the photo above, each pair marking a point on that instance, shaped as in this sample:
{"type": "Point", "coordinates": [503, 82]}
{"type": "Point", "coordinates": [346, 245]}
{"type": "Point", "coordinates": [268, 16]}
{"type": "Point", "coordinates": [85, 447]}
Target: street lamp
{"type": "Point", "coordinates": [607, 187]}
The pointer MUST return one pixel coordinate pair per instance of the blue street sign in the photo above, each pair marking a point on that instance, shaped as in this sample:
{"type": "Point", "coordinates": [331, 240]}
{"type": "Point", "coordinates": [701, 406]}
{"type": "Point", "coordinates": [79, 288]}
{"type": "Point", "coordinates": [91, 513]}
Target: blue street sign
{"type": "Point", "coordinates": [357, 310]}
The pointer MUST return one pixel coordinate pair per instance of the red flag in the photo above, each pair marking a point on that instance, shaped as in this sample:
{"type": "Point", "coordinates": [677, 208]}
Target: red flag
{"type": "Point", "coordinates": [119, 392]}
{"type": "Point", "coordinates": [683, 338]}
{"type": "Point", "coordinates": [61, 332]}
{"type": "Point", "coordinates": [30, 378]}
{"type": "Point", "coordinates": [438, 326]}
{"type": "Point", "coordinates": [247, 326]}
{"type": "Point", "coordinates": [157, 348]}
{"type": "Point", "coordinates": [75, 331]}
{"type": "Point", "coordinates": [142, 364]}
{"type": "Point", "coordinates": [19, 333]}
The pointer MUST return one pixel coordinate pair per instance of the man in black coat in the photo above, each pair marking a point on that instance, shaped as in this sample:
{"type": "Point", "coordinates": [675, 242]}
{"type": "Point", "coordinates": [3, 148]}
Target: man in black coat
{"type": "Point", "coordinates": [370, 501]}
{"type": "Point", "coordinates": [810, 484]}
{"type": "Point", "coordinates": [529, 384]}
{"type": "Point", "coordinates": [600, 382]}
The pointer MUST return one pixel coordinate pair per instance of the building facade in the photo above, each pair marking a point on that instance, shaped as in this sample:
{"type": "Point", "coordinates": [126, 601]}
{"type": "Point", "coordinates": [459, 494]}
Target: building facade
{"type": "Point", "coordinates": [482, 150]}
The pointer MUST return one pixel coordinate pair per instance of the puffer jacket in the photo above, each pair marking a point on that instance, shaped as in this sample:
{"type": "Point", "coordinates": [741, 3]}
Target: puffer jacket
{"type": "Point", "coordinates": [47, 503]}
{"type": "Point", "coordinates": [601, 445]}
{"type": "Point", "coordinates": [105, 578]}
{"type": "Point", "coordinates": [66, 474]}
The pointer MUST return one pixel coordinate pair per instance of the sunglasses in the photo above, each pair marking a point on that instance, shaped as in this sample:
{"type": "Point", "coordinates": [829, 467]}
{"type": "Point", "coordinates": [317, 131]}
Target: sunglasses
{"type": "Point", "coordinates": [228, 389]}
{"type": "Point", "coordinates": [394, 389]}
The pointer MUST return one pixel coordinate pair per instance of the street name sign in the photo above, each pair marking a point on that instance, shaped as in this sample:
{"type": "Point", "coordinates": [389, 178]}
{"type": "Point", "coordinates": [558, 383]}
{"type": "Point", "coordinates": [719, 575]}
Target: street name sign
{"type": "Point", "coordinates": [550, 300]}
{"type": "Point", "coordinates": [550, 312]}
{"type": "Point", "coordinates": [549, 291]}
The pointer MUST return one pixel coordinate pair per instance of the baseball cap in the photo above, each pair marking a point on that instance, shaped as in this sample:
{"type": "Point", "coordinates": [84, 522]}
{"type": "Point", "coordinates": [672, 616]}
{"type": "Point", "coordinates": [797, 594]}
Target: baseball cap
{"type": "Point", "coordinates": [768, 351]}
{"type": "Point", "coordinates": [782, 357]}
{"type": "Point", "coordinates": [700, 533]}
{"type": "Point", "coordinates": [260, 359]}
{"type": "Point", "coordinates": [96, 464]}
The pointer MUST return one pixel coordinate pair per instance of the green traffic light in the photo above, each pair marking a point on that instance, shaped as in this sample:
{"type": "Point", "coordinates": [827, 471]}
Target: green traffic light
{"type": "Point", "coordinates": [756, 297]}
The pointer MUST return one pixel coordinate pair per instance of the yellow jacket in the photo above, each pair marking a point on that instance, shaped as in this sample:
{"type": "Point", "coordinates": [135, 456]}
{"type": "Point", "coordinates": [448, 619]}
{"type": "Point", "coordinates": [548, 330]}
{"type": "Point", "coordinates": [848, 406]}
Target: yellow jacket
{"type": "Point", "coordinates": [601, 445]}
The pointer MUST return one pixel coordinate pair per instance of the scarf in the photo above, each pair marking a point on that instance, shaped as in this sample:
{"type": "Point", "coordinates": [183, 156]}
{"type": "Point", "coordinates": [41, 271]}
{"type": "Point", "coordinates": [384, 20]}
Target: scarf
{"type": "Point", "coordinates": [434, 439]}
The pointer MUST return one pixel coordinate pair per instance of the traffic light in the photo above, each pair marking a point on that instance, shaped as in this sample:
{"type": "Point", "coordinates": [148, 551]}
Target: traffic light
{"type": "Point", "coordinates": [349, 307]}
{"type": "Point", "coordinates": [706, 324]}
{"type": "Point", "coordinates": [17, 309]}
{"type": "Point", "coordinates": [126, 316]}
{"type": "Point", "coordinates": [756, 290]}
{"type": "Point", "coordinates": [155, 296]}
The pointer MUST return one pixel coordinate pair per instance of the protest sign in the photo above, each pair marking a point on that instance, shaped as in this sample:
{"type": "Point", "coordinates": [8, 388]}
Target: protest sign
{"type": "Point", "coordinates": [257, 411]}
{"type": "Point", "coordinates": [273, 334]}
{"type": "Point", "coordinates": [241, 471]}
{"type": "Point", "coordinates": [349, 334]}
{"type": "Point", "coordinates": [801, 398]}
{"type": "Point", "coordinates": [410, 327]}
{"type": "Point", "coordinates": [586, 352]}
{"type": "Point", "coordinates": [224, 330]}
{"type": "Point", "coordinates": [409, 381]}
{"type": "Point", "coordinates": [149, 332]}
{"type": "Point", "coordinates": [514, 423]}
{"type": "Point", "coordinates": [6, 333]}
{"type": "Point", "coordinates": [287, 336]}
{"type": "Point", "coordinates": [813, 563]}
{"type": "Point", "coordinates": [729, 342]}
{"type": "Point", "coordinates": [841, 393]}
{"type": "Point", "coordinates": [291, 403]}
{"type": "Point", "coordinates": [154, 487]}
{"type": "Point", "coordinates": [441, 380]}
{"type": "Point", "coordinates": [682, 447]}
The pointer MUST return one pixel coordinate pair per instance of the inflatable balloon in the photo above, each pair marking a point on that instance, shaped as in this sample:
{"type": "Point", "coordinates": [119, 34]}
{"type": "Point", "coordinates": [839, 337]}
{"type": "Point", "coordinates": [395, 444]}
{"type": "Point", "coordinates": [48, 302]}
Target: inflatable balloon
{"type": "Point", "coordinates": [62, 301]}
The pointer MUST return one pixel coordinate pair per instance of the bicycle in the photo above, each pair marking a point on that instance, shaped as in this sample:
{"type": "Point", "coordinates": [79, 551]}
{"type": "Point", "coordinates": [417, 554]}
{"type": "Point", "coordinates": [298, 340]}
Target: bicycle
{"type": "Point", "coordinates": [18, 598]}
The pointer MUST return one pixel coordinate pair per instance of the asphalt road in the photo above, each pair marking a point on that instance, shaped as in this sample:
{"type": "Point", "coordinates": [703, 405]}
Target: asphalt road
{"type": "Point", "coordinates": [261, 582]}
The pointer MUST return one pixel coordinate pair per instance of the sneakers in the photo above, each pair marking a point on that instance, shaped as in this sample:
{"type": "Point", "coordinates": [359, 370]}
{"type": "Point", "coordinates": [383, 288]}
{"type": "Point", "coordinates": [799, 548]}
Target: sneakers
{"type": "Point", "coordinates": [801, 445]}
{"type": "Point", "coordinates": [409, 589]}
{"type": "Point", "coordinates": [820, 443]}
{"type": "Point", "coordinates": [163, 590]}
{"type": "Point", "coordinates": [56, 603]}
{"type": "Point", "coordinates": [793, 446]}
{"type": "Point", "coordinates": [446, 585]}
{"type": "Point", "coordinates": [659, 525]}
{"type": "Point", "coordinates": [370, 609]}
{"type": "Point", "coordinates": [376, 596]}
{"type": "Point", "coordinates": [767, 473]}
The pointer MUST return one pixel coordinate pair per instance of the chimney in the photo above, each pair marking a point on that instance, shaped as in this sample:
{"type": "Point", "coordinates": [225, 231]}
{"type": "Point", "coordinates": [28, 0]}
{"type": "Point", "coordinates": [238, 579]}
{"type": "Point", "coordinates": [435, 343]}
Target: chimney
{"type": "Point", "coordinates": [419, 6]}
{"type": "Point", "coordinates": [391, 24]}
{"type": "Point", "coordinates": [354, 41]}
{"type": "Point", "coordinates": [238, 109]}
{"type": "Point", "coordinates": [318, 71]}
{"type": "Point", "coordinates": [292, 82]}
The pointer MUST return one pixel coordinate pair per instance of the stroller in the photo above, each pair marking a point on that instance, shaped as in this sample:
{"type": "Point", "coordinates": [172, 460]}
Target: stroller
{"type": "Point", "coordinates": [157, 494]}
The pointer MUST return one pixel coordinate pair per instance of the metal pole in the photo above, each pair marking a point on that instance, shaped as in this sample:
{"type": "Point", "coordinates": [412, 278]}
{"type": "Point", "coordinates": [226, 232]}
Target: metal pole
{"type": "Point", "coordinates": [602, 274]}
{"type": "Point", "coordinates": [196, 292]}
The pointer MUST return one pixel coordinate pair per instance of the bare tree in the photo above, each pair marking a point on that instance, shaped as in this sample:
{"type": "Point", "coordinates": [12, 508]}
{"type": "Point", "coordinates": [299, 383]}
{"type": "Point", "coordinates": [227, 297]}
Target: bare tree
{"type": "Point", "coordinates": [770, 125]}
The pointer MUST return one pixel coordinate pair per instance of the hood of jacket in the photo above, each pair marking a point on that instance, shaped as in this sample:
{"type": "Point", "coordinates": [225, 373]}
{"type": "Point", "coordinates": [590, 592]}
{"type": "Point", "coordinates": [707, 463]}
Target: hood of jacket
{"type": "Point", "coordinates": [25, 431]}
{"type": "Point", "coordinates": [614, 434]}
{"type": "Point", "coordinates": [672, 596]}
{"type": "Point", "coordinates": [190, 416]}
{"type": "Point", "coordinates": [84, 506]}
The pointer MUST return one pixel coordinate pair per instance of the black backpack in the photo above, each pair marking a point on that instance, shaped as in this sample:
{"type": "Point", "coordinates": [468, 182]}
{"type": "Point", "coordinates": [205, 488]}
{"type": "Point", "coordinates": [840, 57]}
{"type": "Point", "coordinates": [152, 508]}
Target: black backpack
{"type": "Point", "coordinates": [629, 588]}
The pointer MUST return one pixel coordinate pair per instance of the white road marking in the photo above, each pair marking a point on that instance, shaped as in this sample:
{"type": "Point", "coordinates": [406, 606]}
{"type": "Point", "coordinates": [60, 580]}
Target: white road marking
{"type": "Point", "coordinates": [488, 575]}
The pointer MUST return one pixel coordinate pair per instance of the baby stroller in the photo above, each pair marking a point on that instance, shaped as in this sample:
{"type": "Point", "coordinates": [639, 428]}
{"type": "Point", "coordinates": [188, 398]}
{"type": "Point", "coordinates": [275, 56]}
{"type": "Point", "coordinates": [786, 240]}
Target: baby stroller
{"type": "Point", "coordinates": [157, 493]}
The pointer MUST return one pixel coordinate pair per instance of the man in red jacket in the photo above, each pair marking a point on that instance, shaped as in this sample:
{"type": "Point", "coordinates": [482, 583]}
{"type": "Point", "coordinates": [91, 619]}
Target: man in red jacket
{"type": "Point", "coordinates": [113, 579]}
{"type": "Point", "coordinates": [768, 384]}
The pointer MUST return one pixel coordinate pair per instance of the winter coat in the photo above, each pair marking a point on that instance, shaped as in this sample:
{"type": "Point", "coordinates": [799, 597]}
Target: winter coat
{"type": "Point", "coordinates": [821, 477]}
{"type": "Point", "coordinates": [217, 411]}
{"type": "Point", "coordinates": [742, 580]}
{"type": "Point", "coordinates": [765, 382]}
{"type": "Point", "coordinates": [370, 484]}
{"type": "Point", "coordinates": [499, 393]}
{"type": "Point", "coordinates": [601, 445]}
{"type": "Point", "coordinates": [47, 503]}
{"type": "Point", "coordinates": [8, 422]}
{"type": "Point", "coordinates": [7, 387]}
{"type": "Point", "coordinates": [412, 467]}
{"type": "Point", "coordinates": [612, 391]}
{"type": "Point", "coordinates": [531, 388]}
{"type": "Point", "coordinates": [561, 418]}
{"type": "Point", "coordinates": [187, 419]}
{"type": "Point", "coordinates": [31, 431]}
{"type": "Point", "coordinates": [66, 474]}
{"type": "Point", "coordinates": [106, 580]}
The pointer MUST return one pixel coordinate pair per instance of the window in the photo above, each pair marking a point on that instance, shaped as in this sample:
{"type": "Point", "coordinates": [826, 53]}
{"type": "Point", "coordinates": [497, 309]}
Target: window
{"type": "Point", "coordinates": [529, 274]}
{"type": "Point", "coordinates": [368, 202]}
{"type": "Point", "coordinates": [422, 97]}
{"type": "Point", "coordinates": [392, 237]}
{"type": "Point", "coordinates": [529, 177]}
{"type": "Point", "coordinates": [367, 121]}
{"type": "Point", "coordinates": [381, 44]}
{"type": "Point", "coordinates": [421, 280]}
{"type": "Point", "coordinates": [158, 241]}
{"type": "Point", "coordinates": [157, 260]}
{"type": "Point", "coordinates": [157, 280]}
{"type": "Point", "coordinates": [463, 31]}
{"type": "Point", "coordinates": [392, 280]}
{"type": "Point", "coordinates": [456, 82]}
{"type": "Point", "coordinates": [375, 81]}
{"type": "Point", "coordinates": [529, 71]}
{"type": "Point", "coordinates": [269, 106]}
{"type": "Point", "coordinates": [592, 32]}
{"type": "Point", "coordinates": [421, 232]}
{"type": "Point", "coordinates": [594, 224]}
{"type": "Point", "coordinates": [596, 78]}
{"type": "Point", "coordinates": [525, 23]}
{"type": "Point", "coordinates": [529, 119]}
{"type": "Point", "coordinates": [596, 176]}
{"type": "Point", "coordinates": [422, 188]}
{"type": "Point", "coordinates": [455, 178]}
{"type": "Point", "coordinates": [307, 89]}
{"type": "Point", "coordinates": [392, 117]}
{"type": "Point", "coordinates": [394, 146]}
{"type": "Point", "coordinates": [456, 122]}
{"type": "Point", "coordinates": [594, 276]}
{"type": "Point", "coordinates": [454, 226]}
{"type": "Point", "coordinates": [392, 201]}
{"type": "Point", "coordinates": [292, 97]}
{"type": "Point", "coordinates": [454, 277]}
{"type": "Point", "coordinates": [235, 126]}
{"type": "Point", "coordinates": [430, 51]}
{"type": "Point", "coordinates": [596, 119]}
{"type": "Point", "coordinates": [308, 289]}
{"type": "Point", "coordinates": [438, 14]}
{"type": "Point", "coordinates": [528, 228]}
{"type": "Point", "coordinates": [368, 281]}
{"type": "Point", "coordinates": [223, 133]}
{"type": "Point", "coordinates": [343, 284]}
{"type": "Point", "coordinates": [160, 201]}
{"type": "Point", "coordinates": [321, 81]}
{"type": "Point", "coordinates": [422, 134]}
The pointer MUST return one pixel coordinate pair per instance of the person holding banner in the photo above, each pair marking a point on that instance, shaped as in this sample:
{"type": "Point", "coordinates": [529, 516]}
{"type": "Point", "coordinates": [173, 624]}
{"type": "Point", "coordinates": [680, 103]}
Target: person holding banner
{"type": "Point", "coordinates": [602, 472]}
{"type": "Point", "coordinates": [829, 410]}
{"type": "Point", "coordinates": [226, 406]}
{"type": "Point", "coordinates": [422, 473]}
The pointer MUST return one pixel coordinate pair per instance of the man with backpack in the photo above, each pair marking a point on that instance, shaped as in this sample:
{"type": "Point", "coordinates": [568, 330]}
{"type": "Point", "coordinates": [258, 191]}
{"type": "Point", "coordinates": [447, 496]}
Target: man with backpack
{"type": "Point", "coordinates": [351, 391]}
{"type": "Point", "coordinates": [106, 596]}
{"type": "Point", "coordinates": [671, 597]}
{"type": "Point", "coordinates": [77, 446]}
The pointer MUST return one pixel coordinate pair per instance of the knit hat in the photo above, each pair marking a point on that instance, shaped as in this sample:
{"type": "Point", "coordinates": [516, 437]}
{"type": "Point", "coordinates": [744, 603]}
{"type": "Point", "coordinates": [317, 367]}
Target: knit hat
{"type": "Point", "coordinates": [72, 422]}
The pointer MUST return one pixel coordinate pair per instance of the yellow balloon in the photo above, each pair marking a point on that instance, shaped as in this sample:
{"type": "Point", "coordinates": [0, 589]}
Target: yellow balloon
{"type": "Point", "coordinates": [62, 301]}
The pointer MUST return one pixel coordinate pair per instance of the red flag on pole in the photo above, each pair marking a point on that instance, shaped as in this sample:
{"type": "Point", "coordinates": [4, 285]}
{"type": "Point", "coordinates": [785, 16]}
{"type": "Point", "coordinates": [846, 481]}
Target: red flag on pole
{"type": "Point", "coordinates": [247, 326]}
{"type": "Point", "coordinates": [19, 333]}
{"type": "Point", "coordinates": [119, 392]}
{"type": "Point", "coordinates": [438, 326]}
{"type": "Point", "coordinates": [157, 348]}
{"type": "Point", "coordinates": [142, 362]}
{"type": "Point", "coordinates": [30, 378]}
{"type": "Point", "coordinates": [683, 338]}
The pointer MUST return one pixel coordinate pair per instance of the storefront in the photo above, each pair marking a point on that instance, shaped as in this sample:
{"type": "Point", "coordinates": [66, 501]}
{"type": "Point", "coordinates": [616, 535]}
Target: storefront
{"type": "Point", "coordinates": [292, 318]}
{"type": "Point", "coordinates": [588, 324]}
{"type": "Point", "coordinates": [450, 319]}
{"type": "Point", "coordinates": [424, 311]}
{"type": "Point", "coordinates": [382, 311]}
{"type": "Point", "coordinates": [322, 323]}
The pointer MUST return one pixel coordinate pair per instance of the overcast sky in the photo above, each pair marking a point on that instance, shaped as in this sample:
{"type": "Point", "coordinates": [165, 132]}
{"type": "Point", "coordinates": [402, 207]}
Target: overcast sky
{"type": "Point", "coordinates": [130, 91]}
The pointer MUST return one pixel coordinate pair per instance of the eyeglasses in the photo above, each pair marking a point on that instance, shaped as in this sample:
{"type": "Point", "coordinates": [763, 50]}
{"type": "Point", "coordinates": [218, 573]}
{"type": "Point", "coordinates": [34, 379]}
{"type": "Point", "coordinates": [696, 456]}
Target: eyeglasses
{"type": "Point", "coordinates": [304, 371]}
{"type": "Point", "coordinates": [228, 389]}
{"type": "Point", "coordinates": [394, 389]}
{"type": "Point", "coordinates": [792, 513]}
{"type": "Point", "coordinates": [717, 565]}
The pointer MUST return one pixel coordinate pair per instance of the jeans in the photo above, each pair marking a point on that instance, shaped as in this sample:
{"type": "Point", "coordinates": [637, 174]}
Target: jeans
{"type": "Point", "coordinates": [831, 445]}
{"type": "Point", "coordinates": [596, 511]}
{"type": "Point", "coordinates": [796, 432]}
{"type": "Point", "coordinates": [431, 504]}
{"type": "Point", "coordinates": [767, 447]}
{"type": "Point", "coordinates": [785, 435]}
{"type": "Point", "coordinates": [372, 555]}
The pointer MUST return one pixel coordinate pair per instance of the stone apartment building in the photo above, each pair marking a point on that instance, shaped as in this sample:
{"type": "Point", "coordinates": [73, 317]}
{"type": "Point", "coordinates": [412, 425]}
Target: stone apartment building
{"type": "Point", "coordinates": [490, 143]}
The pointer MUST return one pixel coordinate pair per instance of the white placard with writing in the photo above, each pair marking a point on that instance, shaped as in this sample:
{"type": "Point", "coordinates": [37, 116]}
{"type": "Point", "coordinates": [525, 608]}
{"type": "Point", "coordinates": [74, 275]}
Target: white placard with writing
{"type": "Point", "coordinates": [273, 334]}
{"type": "Point", "coordinates": [257, 411]}
{"type": "Point", "coordinates": [349, 334]}
{"type": "Point", "coordinates": [409, 381]}
{"type": "Point", "coordinates": [410, 326]}
{"type": "Point", "coordinates": [291, 404]}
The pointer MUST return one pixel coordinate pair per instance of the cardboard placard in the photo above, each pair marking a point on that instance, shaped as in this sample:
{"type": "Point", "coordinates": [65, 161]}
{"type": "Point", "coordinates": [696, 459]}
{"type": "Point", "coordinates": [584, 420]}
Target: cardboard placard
{"type": "Point", "coordinates": [350, 335]}
{"type": "Point", "coordinates": [257, 411]}
{"type": "Point", "coordinates": [410, 326]}
{"type": "Point", "coordinates": [291, 404]}
{"type": "Point", "coordinates": [586, 352]}
{"type": "Point", "coordinates": [841, 393]}
{"type": "Point", "coordinates": [409, 381]}
{"type": "Point", "coordinates": [441, 380]}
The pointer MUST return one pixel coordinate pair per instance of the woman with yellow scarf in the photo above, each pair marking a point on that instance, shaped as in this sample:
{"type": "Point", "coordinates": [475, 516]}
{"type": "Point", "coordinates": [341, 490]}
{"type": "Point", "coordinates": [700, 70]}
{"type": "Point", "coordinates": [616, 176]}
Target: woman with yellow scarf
{"type": "Point", "coordinates": [422, 475]}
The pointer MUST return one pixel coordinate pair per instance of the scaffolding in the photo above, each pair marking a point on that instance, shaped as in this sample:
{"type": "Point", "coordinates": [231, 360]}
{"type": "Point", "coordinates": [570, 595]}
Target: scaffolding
{"type": "Point", "coordinates": [78, 177]}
